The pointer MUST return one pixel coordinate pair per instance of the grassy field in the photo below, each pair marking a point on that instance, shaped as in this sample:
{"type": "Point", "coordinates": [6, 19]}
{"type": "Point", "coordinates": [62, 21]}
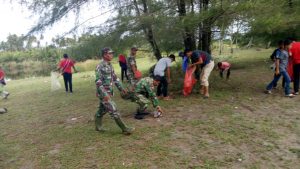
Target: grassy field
{"type": "Point", "coordinates": [238, 127]}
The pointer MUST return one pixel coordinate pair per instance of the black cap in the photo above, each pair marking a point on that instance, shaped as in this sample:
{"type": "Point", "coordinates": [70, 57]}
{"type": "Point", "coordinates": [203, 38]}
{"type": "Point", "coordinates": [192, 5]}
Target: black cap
{"type": "Point", "coordinates": [106, 50]}
{"type": "Point", "coordinates": [65, 55]}
{"type": "Point", "coordinates": [157, 78]}
{"type": "Point", "coordinates": [172, 56]}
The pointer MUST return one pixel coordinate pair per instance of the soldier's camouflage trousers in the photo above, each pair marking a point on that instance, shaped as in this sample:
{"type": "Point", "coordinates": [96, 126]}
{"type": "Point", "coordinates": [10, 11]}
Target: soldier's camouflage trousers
{"type": "Point", "coordinates": [107, 107]}
{"type": "Point", "coordinates": [131, 80]}
{"type": "Point", "coordinates": [140, 99]}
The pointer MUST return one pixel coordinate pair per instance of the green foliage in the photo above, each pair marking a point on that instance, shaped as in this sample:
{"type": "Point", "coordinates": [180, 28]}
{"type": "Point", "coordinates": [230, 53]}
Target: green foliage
{"type": "Point", "coordinates": [275, 22]}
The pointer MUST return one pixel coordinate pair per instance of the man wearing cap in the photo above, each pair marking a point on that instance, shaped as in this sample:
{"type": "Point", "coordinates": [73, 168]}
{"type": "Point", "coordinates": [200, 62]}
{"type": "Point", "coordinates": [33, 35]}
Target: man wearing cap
{"type": "Point", "coordinates": [144, 94]}
{"type": "Point", "coordinates": [132, 67]}
{"type": "Point", "coordinates": [105, 77]}
{"type": "Point", "coordinates": [163, 67]}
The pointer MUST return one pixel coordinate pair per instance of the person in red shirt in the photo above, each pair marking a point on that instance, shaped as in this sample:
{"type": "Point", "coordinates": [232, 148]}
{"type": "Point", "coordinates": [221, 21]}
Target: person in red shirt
{"type": "Point", "coordinates": [224, 66]}
{"type": "Point", "coordinates": [3, 93]}
{"type": "Point", "coordinates": [295, 58]}
{"type": "Point", "coordinates": [123, 65]}
{"type": "Point", "coordinates": [65, 66]}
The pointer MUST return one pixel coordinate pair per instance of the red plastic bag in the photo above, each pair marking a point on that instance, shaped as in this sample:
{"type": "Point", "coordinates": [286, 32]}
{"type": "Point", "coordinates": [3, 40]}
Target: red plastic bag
{"type": "Point", "coordinates": [189, 81]}
{"type": "Point", "coordinates": [138, 74]}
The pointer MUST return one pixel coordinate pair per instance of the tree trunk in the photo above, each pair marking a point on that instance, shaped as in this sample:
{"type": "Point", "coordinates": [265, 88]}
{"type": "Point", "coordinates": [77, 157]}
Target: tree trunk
{"type": "Point", "coordinates": [231, 44]}
{"type": "Point", "coordinates": [206, 40]}
{"type": "Point", "coordinates": [268, 45]}
{"type": "Point", "coordinates": [220, 46]}
{"type": "Point", "coordinates": [205, 30]}
{"type": "Point", "coordinates": [290, 3]}
{"type": "Point", "coordinates": [200, 37]}
{"type": "Point", "coordinates": [189, 37]}
{"type": "Point", "coordinates": [148, 29]}
{"type": "Point", "coordinates": [250, 43]}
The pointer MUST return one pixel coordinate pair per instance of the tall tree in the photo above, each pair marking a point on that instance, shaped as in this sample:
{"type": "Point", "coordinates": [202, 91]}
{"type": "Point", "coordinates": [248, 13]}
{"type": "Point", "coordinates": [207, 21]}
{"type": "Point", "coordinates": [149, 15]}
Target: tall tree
{"type": "Point", "coordinates": [147, 27]}
{"type": "Point", "coordinates": [188, 35]}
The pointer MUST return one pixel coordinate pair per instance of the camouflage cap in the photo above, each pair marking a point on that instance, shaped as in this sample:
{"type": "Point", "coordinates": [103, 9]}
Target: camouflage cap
{"type": "Point", "coordinates": [106, 50]}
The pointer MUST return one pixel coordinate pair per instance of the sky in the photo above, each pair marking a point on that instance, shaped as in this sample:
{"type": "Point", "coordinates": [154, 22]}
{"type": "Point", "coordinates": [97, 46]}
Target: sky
{"type": "Point", "coordinates": [17, 19]}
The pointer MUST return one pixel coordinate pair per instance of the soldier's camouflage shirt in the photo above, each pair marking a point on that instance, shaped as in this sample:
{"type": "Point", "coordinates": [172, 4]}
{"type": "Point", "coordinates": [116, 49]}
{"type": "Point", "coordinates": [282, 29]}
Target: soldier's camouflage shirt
{"type": "Point", "coordinates": [131, 61]}
{"type": "Point", "coordinates": [105, 78]}
{"type": "Point", "coordinates": [145, 86]}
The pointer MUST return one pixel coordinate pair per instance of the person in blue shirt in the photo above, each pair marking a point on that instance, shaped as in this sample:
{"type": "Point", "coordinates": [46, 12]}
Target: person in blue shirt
{"type": "Point", "coordinates": [281, 63]}
{"type": "Point", "coordinates": [273, 58]}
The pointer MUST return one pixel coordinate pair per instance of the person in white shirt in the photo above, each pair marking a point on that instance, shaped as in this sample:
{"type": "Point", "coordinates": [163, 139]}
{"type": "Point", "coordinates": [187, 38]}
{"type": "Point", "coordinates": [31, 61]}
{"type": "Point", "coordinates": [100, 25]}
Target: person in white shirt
{"type": "Point", "coordinates": [162, 69]}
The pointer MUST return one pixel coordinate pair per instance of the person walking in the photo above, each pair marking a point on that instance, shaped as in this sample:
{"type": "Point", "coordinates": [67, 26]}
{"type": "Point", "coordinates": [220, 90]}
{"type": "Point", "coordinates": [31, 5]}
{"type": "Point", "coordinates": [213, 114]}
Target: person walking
{"type": "Point", "coordinates": [282, 59]}
{"type": "Point", "coordinates": [65, 66]}
{"type": "Point", "coordinates": [105, 78]}
{"type": "Point", "coordinates": [123, 65]}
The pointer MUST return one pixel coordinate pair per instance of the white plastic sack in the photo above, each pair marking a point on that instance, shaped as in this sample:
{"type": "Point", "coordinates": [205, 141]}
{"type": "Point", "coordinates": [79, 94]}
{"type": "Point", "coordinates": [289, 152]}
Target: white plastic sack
{"type": "Point", "coordinates": [55, 85]}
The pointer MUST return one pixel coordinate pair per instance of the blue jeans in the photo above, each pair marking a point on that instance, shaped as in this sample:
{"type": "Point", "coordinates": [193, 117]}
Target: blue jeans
{"type": "Point", "coordinates": [287, 80]}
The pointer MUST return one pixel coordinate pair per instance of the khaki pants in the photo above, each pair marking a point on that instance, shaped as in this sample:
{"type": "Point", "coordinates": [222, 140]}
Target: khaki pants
{"type": "Point", "coordinates": [206, 70]}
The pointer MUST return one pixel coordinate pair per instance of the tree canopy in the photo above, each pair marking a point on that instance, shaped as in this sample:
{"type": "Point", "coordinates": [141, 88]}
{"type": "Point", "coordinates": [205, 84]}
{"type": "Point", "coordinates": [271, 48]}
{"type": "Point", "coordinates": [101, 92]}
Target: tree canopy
{"type": "Point", "coordinates": [171, 25]}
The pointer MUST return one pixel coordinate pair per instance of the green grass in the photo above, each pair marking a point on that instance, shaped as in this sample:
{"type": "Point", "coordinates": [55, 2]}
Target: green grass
{"type": "Point", "coordinates": [238, 127]}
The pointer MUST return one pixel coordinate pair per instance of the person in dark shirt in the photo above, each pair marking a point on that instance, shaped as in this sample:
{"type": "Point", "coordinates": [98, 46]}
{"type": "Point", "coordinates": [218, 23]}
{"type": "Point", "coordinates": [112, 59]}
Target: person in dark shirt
{"type": "Point", "coordinates": [205, 61]}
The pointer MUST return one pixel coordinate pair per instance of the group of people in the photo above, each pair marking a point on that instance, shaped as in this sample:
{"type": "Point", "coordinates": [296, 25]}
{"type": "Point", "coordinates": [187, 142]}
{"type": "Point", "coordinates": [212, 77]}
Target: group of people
{"type": "Point", "coordinates": [201, 64]}
{"type": "Point", "coordinates": [286, 64]}
{"type": "Point", "coordinates": [139, 90]}
{"type": "Point", "coordinates": [142, 90]}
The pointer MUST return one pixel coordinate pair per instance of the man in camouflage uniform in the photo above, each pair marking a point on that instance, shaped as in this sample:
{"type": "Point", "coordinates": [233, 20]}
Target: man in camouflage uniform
{"type": "Point", "coordinates": [105, 77]}
{"type": "Point", "coordinates": [132, 67]}
{"type": "Point", "coordinates": [144, 94]}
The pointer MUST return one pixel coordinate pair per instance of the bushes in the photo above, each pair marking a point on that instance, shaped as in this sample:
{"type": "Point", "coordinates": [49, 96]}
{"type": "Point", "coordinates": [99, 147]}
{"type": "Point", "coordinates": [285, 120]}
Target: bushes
{"type": "Point", "coordinates": [34, 62]}
{"type": "Point", "coordinates": [27, 68]}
